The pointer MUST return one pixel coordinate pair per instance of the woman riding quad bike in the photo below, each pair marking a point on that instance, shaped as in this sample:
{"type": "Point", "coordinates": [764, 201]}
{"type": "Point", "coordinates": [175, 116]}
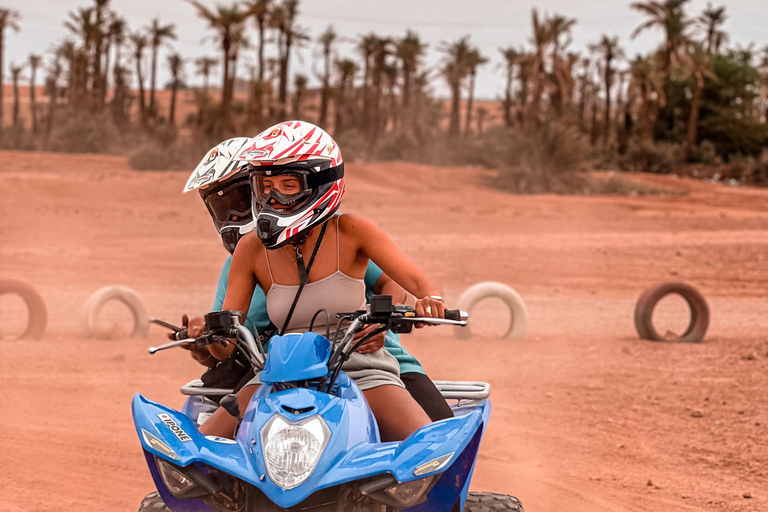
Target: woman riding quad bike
{"type": "Point", "coordinates": [223, 184]}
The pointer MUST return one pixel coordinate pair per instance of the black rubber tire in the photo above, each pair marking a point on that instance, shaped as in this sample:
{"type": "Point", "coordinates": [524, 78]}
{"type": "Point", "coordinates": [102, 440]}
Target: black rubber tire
{"type": "Point", "coordinates": [152, 502]}
{"type": "Point", "coordinates": [492, 502]}
{"type": "Point", "coordinates": [697, 328]}
{"type": "Point", "coordinates": [38, 314]}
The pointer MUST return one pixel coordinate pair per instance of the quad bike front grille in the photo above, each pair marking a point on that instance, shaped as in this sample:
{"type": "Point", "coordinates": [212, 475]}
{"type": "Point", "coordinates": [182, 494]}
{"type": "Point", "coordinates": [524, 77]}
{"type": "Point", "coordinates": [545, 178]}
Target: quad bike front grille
{"type": "Point", "coordinates": [341, 498]}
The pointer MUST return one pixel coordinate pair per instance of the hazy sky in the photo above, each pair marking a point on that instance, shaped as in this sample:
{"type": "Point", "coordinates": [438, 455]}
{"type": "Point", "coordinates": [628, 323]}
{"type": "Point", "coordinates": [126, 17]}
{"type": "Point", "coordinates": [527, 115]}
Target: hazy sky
{"type": "Point", "coordinates": [491, 23]}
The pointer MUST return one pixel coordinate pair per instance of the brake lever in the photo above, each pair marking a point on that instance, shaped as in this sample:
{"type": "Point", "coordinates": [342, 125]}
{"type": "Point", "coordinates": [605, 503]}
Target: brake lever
{"type": "Point", "coordinates": [173, 344]}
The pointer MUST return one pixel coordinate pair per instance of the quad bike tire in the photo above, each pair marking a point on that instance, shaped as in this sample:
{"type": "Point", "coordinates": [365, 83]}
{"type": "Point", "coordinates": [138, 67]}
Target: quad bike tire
{"type": "Point", "coordinates": [38, 314]}
{"type": "Point", "coordinates": [476, 502]}
{"type": "Point", "coordinates": [491, 289]}
{"type": "Point", "coordinates": [492, 502]}
{"type": "Point", "coordinates": [698, 325]}
{"type": "Point", "coordinates": [152, 502]}
{"type": "Point", "coordinates": [127, 296]}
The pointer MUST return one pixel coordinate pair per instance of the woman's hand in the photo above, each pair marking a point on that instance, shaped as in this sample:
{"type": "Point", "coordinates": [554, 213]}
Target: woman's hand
{"type": "Point", "coordinates": [429, 307]}
{"type": "Point", "coordinates": [372, 344]}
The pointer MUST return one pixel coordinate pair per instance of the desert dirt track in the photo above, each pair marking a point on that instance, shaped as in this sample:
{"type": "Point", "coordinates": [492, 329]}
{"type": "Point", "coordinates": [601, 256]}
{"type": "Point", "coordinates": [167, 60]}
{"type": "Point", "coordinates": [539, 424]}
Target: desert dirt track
{"type": "Point", "coordinates": [587, 418]}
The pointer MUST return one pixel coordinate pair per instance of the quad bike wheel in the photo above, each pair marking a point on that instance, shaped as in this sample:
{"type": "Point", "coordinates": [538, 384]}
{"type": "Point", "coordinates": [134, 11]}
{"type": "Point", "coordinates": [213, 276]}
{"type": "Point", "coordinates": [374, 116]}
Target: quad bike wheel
{"type": "Point", "coordinates": [38, 315]}
{"type": "Point", "coordinates": [152, 502]}
{"type": "Point", "coordinates": [698, 325]}
{"type": "Point", "coordinates": [492, 502]}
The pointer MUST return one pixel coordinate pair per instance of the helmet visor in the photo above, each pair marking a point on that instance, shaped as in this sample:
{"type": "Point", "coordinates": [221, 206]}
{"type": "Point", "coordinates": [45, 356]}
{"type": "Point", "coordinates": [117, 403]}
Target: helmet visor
{"type": "Point", "coordinates": [230, 204]}
{"type": "Point", "coordinates": [286, 188]}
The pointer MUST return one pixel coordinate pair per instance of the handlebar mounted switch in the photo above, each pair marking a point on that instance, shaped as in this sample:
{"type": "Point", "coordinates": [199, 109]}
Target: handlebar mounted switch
{"type": "Point", "coordinates": [222, 323]}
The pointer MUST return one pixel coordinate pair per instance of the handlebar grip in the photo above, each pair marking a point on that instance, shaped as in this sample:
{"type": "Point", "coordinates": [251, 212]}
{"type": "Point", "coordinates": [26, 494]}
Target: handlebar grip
{"type": "Point", "coordinates": [182, 334]}
{"type": "Point", "coordinates": [452, 314]}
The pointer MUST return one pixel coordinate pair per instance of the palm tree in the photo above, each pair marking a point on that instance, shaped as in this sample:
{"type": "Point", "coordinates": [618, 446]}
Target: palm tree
{"type": "Point", "coordinates": [511, 58]}
{"type": "Point", "coordinates": [176, 66]}
{"type": "Point", "coordinates": [482, 113]}
{"type": "Point", "coordinates": [669, 16]}
{"type": "Point", "coordinates": [300, 84]}
{"type": "Point", "coordinates": [8, 19]}
{"type": "Point", "coordinates": [542, 38]}
{"type": "Point", "coordinates": [710, 22]}
{"type": "Point", "coordinates": [474, 60]}
{"type": "Point", "coordinates": [366, 45]}
{"type": "Point", "coordinates": [15, 76]}
{"type": "Point", "coordinates": [158, 35]}
{"type": "Point", "coordinates": [34, 63]}
{"type": "Point", "coordinates": [699, 65]}
{"type": "Point", "coordinates": [228, 22]}
{"type": "Point", "coordinates": [283, 19]}
{"type": "Point", "coordinates": [140, 43]}
{"type": "Point", "coordinates": [585, 88]}
{"type": "Point", "coordinates": [99, 35]}
{"type": "Point", "coordinates": [559, 27]}
{"type": "Point", "coordinates": [204, 67]}
{"type": "Point", "coordinates": [82, 23]}
{"type": "Point", "coordinates": [115, 36]}
{"type": "Point", "coordinates": [52, 88]}
{"type": "Point", "coordinates": [259, 9]}
{"type": "Point", "coordinates": [326, 40]}
{"type": "Point", "coordinates": [609, 50]}
{"type": "Point", "coordinates": [410, 51]}
{"type": "Point", "coordinates": [346, 69]}
{"type": "Point", "coordinates": [648, 85]}
{"type": "Point", "coordinates": [454, 71]}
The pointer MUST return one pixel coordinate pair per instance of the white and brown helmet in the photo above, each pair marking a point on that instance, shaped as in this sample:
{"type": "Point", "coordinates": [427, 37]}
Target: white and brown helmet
{"type": "Point", "coordinates": [224, 186]}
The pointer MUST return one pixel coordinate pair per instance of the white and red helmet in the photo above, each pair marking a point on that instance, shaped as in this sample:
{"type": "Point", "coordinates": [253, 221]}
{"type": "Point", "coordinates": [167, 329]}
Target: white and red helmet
{"type": "Point", "coordinates": [303, 150]}
{"type": "Point", "coordinates": [224, 186]}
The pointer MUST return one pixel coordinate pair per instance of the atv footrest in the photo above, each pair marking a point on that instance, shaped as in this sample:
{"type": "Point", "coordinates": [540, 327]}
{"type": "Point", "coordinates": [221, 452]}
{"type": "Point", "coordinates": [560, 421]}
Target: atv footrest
{"type": "Point", "coordinates": [461, 390]}
{"type": "Point", "coordinates": [195, 388]}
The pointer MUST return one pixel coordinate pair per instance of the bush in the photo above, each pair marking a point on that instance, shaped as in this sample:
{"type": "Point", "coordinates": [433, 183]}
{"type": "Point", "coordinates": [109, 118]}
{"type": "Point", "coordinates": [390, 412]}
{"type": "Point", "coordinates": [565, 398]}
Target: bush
{"type": "Point", "coordinates": [663, 158]}
{"type": "Point", "coordinates": [550, 158]}
{"type": "Point", "coordinates": [152, 155]}
{"type": "Point", "coordinates": [79, 131]}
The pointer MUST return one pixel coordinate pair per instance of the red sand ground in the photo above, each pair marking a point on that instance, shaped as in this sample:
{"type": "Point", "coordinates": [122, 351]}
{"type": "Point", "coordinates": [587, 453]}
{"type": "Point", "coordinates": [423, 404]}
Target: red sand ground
{"type": "Point", "coordinates": [586, 417]}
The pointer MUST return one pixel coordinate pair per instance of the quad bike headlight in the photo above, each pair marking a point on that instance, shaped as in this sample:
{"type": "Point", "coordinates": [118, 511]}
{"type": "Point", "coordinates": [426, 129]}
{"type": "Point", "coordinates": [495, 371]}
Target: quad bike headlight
{"type": "Point", "coordinates": [410, 493]}
{"type": "Point", "coordinates": [292, 449]}
{"type": "Point", "coordinates": [176, 482]}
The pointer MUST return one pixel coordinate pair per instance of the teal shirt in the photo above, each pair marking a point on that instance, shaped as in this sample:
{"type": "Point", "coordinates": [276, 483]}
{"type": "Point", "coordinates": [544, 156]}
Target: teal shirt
{"type": "Point", "coordinates": [258, 318]}
{"type": "Point", "coordinates": [408, 363]}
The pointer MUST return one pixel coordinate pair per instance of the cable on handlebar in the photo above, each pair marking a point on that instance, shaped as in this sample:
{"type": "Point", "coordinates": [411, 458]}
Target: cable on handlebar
{"type": "Point", "coordinates": [344, 356]}
{"type": "Point", "coordinates": [327, 322]}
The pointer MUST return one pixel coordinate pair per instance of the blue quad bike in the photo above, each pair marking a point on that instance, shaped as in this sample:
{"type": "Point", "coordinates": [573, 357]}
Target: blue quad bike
{"type": "Point", "coordinates": [308, 440]}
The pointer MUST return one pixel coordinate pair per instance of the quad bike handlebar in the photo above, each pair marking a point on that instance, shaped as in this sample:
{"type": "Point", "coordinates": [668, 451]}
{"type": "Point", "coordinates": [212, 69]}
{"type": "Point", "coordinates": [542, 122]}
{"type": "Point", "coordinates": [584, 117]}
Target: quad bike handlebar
{"type": "Point", "coordinates": [221, 326]}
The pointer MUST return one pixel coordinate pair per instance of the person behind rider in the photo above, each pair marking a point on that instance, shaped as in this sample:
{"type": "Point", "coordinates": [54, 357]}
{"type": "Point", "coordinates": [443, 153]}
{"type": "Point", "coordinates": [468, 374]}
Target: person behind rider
{"type": "Point", "coordinates": [297, 180]}
{"type": "Point", "coordinates": [224, 186]}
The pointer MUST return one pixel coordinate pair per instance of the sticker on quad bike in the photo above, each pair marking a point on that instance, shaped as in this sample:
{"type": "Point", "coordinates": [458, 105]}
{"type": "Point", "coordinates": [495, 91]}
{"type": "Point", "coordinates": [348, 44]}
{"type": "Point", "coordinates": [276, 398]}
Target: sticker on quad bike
{"type": "Point", "coordinates": [222, 440]}
{"type": "Point", "coordinates": [175, 428]}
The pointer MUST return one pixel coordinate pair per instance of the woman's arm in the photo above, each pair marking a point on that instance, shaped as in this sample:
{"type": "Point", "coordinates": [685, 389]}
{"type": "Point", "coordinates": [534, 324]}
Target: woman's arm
{"type": "Point", "coordinates": [374, 244]}
{"type": "Point", "coordinates": [241, 283]}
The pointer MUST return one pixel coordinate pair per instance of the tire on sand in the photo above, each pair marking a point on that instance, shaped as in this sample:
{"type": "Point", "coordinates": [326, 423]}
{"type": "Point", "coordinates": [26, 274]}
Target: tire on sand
{"type": "Point", "coordinates": [152, 502]}
{"type": "Point", "coordinates": [697, 328]}
{"type": "Point", "coordinates": [127, 296]}
{"type": "Point", "coordinates": [38, 314]}
{"type": "Point", "coordinates": [492, 502]}
{"type": "Point", "coordinates": [490, 289]}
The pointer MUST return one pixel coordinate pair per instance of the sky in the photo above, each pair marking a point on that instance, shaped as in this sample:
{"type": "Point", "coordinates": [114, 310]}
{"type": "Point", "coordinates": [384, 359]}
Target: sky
{"type": "Point", "coordinates": [492, 24]}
